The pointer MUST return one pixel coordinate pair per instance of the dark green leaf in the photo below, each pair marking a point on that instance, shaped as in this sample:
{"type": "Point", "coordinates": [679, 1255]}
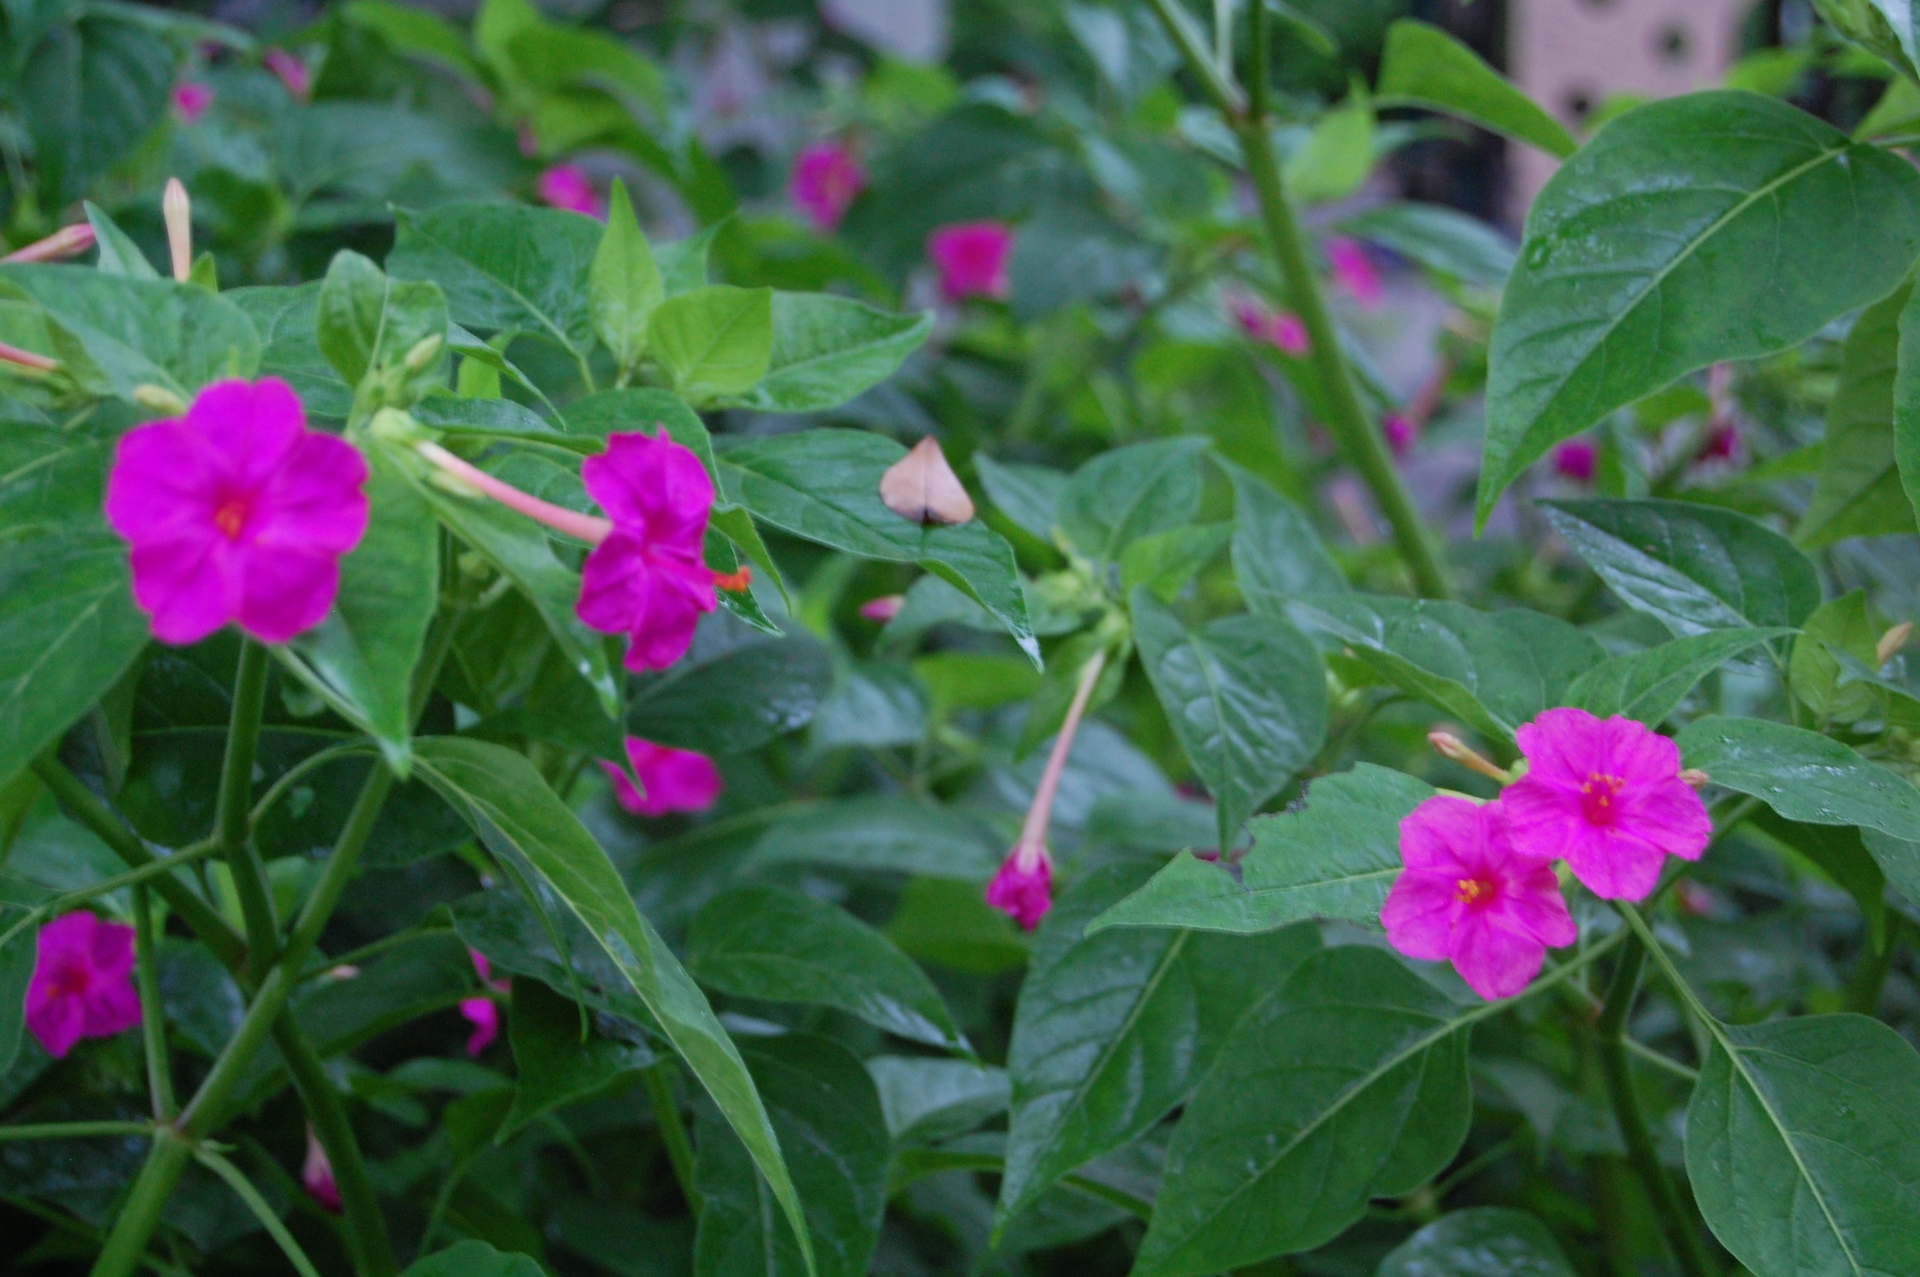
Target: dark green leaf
{"type": "Point", "coordinates": [1906, 403]}
{"type": "Point", "coordinates": [1654, 251]}
{"type": "Point", "coordinates": [1347, 1084]}
{"type": "Point", "coordinates": [1276, 553]}
{"type": "Point", "coordinates": [1814, 672]}
{"type": "Point", "coordinates": [780, 946]}
{"type": "Point", "coordinates": [1487, 1241]}
{"type": "Point", "coordinates": [1802, 775]}
{"type": "Point", "coordinates": [18, 956]}
{"type": "Point", "coordinates": [1425, 66]}
{"type": "Point", "coordinates": [1334, 858]}
{"type": "Point", "coordinates": [889, 834]}
{"type": "Point", "coordinates": [1800, 1146]}
{"type": "Point", "coordinates": [698, 704]}
{"type": "Point", "coordinates": [1858, 492]}
{"type": "Point", "coordinates": [504, 266]}
{"type": "Point", "coordinates": [1165, 562]}
{"type": "Point", "coordinates": [1650, 685]}
{"type": "Point", "coordinates": [118, 254]}
{"type": "Point", "coordinates": [287, 320]}
{"type": "Point", "coordinates": [554, 1066]}
{"type": "Point", "coordinates": [826, 350]}
{"type": "Point", "coordinates": [1694, 567]}
{"type": "Point", "coordinates": [1131, 492]}
{"type": "Point", "coordinates": [474, 1259]}
{"type": "Point", "coordinates": [1843, 856]}
{"type": "Point", "coordinates": [1246, 697]}
{"type": "Point", "coordinates": [87, 94]}
{"type": "Point", "coordinates": [927, 1100]}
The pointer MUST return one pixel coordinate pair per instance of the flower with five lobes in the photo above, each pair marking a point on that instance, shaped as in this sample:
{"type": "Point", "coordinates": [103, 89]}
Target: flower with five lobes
{"type": "Point", "coordinates": [670, 779]}
{"type": "Point", "coordinates": [1475, 895]}
{"type": "Point", "coordinates": [972, 258]}
{"type": "Point", "coordinates": [1608, 795]}
{"type": "Point", "coordinates": [82, 985]}
{"type": "Point", "coordinates": [237, 512]}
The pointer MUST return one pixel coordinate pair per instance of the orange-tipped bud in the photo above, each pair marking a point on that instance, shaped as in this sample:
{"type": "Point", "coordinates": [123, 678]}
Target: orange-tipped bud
{"type": "Point", "coordinates": [68, 241]}
{"type": "Point", "coordinates": [1450, 746]}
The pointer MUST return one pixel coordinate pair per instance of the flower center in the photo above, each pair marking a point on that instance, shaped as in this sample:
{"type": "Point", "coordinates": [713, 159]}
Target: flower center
{"type": "Point", "coordinates": [1475, 893]}
{"type": "Point", "coordinates": [1599, 798]}
{"type": "Point", "coordinates": [70, 980]}
{"type": "Point", "coordinates": [231, 515]}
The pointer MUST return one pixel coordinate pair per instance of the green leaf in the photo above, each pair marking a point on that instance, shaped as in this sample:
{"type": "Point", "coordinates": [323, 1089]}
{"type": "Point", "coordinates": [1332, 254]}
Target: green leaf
{"type": "Point", "coordinates": [1842, 854]}
{"type": "Point", "coordinates": [1814, 672]}
{"type": "Point", "coordinates": [68, 623]}
{"type": "Point", "coordinates": [1439, 238]}
{"type": "Point", "coordinates": [698, 703]}
{"type": "Point", "coordinates": [927, 1100]}
{"type": "Point", "coordinates": [509, 805]}
{"type": "Point", "coordinates": [1112, 1031]}
{"type": "Point", "coordinates": [287, 320]}
{"type": "Point", "coordinates": [1493, 670]}
{"type": "Point", "coordinates": [504, 266]}
{"type": "Point", "coordinates": [825, 1110]}
{"type": "Point", "coordinates": [714, 341]}
{"type": "Point", "coordinates": [1027, 494]}
{"type": "Point", "coordinates": [1802, 775]}
{"type": "Point", "coordinates": [1246, 697]}
{"type": "Point", "coordinates": [553, 1065]}
{"type": "Point", "coordinates": [623, 284]}
{"type": "Point", "coordinates": [18, 957]}
{"type": "Point", "coordinates": [367, 322]}
{"type": "Point", "coordinates": [1276, 552]}
{"type": "Point", "coordinates": [1425, 66]}
{"type": "Point", "coordinates": [361, 657]}
{"type": "Point", "coordinates": [1131, 492]}
{"type": "Point", "coordinates": [1799, 1148]}
{"type": "Point", "coordinates": [413, 31]}
{"type": "Point", "coordinates": [885, 834]}
{"type": "Point", "coordinates": [1166, 561]}
{"type": "Point", "coordinates": [1486, 1241]}
{"type": "Point", "coordinates": [88, 93]}
{"type": "Point", "coordinates": [824, 486]}
{"type": "Point", "coordinates": [118, 254]}
{"type": "Point", "coordinates": [115, 334]}
{"type": "Point", "coordinates": [826, 350]}
{"type": "Point", "coordinates": [1334, 858]}
{"type": "Point", "coordinates": [1653, 252]}
{"type": "Point", "coordinates": [1335, 156]}
{"type": "Point", "coordinates": [1650, 685]}
{"type": "Point", "coordinates": [474, 1259]}
{"type": "Point", "coordinates": [1349, 1083]}
{"type": "Point", "coordinates": [950, 923]}
{"type": "Point", "coordinates": [1906, 403]}
{"type": "Point", "coordinates": [1858, 492]}
{"type": "Point", "coordinates": [1693, 567]}
{"type": "Point", "coordinates": [780, 946]}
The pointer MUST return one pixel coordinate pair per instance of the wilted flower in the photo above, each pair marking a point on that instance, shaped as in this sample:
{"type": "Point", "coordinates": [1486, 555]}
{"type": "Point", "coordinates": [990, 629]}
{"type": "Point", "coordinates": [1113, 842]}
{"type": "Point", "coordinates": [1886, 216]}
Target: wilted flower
{"type": "Point", "coordinates": [1473, 895]}
{"type": "Point", "coordinates": [1023, 888]}
{"type": "Point", "coordinates": [237, 512]}
{"type": "Point", "coordinates": [82, 984]}
{"type": "Point", "coordinates": [191, 99]}
{"type": "Point", "coordinates": [482, 1012]}
{"type": "Point", "coordinates": [670, 779]}
{"type": "Point", "coordinates": [972, 258]}
{"type": "Point", "coordinates": [1607, 795]}
{"type": "Point", "coordinates": [826, 178]}
{"type": "Point", "coordinates": [1576, 459]}
{"type": "Point", "coordinates": [316, 1176]}
{"type": "Point", "coordinates": [568, 186]}
{"type": "Point", "coordinates": [1354, 269]}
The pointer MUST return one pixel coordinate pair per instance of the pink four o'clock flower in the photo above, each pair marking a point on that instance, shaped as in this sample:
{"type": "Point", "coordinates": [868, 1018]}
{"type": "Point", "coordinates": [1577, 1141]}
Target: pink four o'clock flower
{"type": "Point", "coordinates": [826, 178]}
{"type": "Point", "coordinates": [1354, 269]}
{"type": "Point", "coordinates": [482, 1012]}
{"type": "Point", "coordinates": [191, 99]}
{"type": "Point", "coordinates": [972, 258]}
{"type": "Point", "coordinates": [1723, 443]}
{"type": "Point", "coordinates": [237, 512]}
{"type": "Point", "coordinates": [1608, 796]}
{"type": "Point", "coordinates": [82, 983]}
{"type": "Point", "coordinates": [1471, 895]}
{"type": "Point", "coordinates": [647, 579]}
{"type": "Point", "coordinates": [883, 609]}
{"type": "Point", "coordinates": [295, 74]}
{"type": "Point", "coordinates": [1281, 329]}
{"type": "Point", "coordinates": [316, 1176]}
{"type": "Point", "coordinates": [1576, 459]}
{"type": "Point", "coordinates": [1023, 888]}
{"type": "Point", "coordinates": [670, 779]}
{"type": "Point", "coordinates": [1400, 433]}
{"type": "Point", "coordinates": [568, 186]}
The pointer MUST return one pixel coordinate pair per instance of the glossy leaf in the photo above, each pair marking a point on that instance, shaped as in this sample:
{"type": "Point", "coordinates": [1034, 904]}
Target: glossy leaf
{"type": "Point", "coordinates": [623, 284]}
{"type": "Point", "coordinates": [1486, 1241]}
{"type": "Point", "coordinates": [697, 704]}
{"type": "Point", "coordinates": [1347, 1084]}
{"type": "Point", "coordinates": [287, 320]}
{"type": "Point", "coordinates": [553, 1066]}
{"type": "Point", "coordinates": [927, 1099]}
{"type": "Point", "coordinates": [1800, 1148]}
{"type": "Point", "coordinates": [780, 946]}
{"type": "Point", "coordinates": [510, 806]}
{"type": "Point", "coordinates": [1693, 567]}
{"type": "Point", "coordinates": [1114, 1030]}
{"type": "Point", "coordinates": [886, 834]}
{"type": "Point", "coordinates": [1650, 685]}
{"type": "Point", "coordinates": [1858, 492]}
{"type": "Point", "coordinates": [1027, 494]}
{"type": "Point", "coordinates": [1843, 855]}
{"type": "Point", "coordinates": [1842, 627]}
{"type": "Point", "coordinates": [1439, 238]}
{"type": "Point", "coordinates": [827, 350]}
{"type": "Point", "coordinates": [1653, 252]}
{"type": "Point", "coordinates": [1131, 492]}
{"type": "Point", "coordinates": [1246, 697]}
{"type": "Point", "coordinates": [1802, 775]}
{"type": "Point", "coordinates": [1277, 555]}
{"type": "Point", "coordinates": [824, 486]}
{"type": "Point", "coordinates": [504, 266]}
{"type": "Point", "coordinates": [713, 341]}
{"type": "Point", "coordinates": [1494, 670]}
{"type": "Point", "coordinates": [1425, 66]}
{"type": "Point", "coordinates": [1334, 858]}
{"type": "Point", "coordinates": [474, 1259]}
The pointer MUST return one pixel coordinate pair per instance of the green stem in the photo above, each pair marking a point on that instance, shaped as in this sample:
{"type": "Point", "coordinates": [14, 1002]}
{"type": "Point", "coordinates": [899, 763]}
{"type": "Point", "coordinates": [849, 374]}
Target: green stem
{"type": "Point", "coordinates": [243, 1189]}
{"type": "Point", "coordinates": [153, 1023]}
{"type": "Point", "coordinates": [366, 1229]}
{"type": "Point", "coordinates": [1870, 973]}
{"type": "Point", "coordinates": [233, 825]}
{"type": "Point", "coordinates": [140, 1215]}
{"type": "Point", "coordinates": [659, 1079]}
{"type": "Point", "coordinates": [81, 803]}
{"type": "Point", "coordinates": [73, 1130]}
{"type": "Point", "coordinates": [308, 764]}
{"type": "Point", "coordinates": [106, 886]}
{"type": "Point", "coordinates": [1193, 50]}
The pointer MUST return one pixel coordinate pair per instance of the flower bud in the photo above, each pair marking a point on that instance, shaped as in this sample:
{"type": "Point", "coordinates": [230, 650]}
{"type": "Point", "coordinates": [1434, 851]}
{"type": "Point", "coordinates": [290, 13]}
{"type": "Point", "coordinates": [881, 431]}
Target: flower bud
{"type": "Point", "coordinates": [68, 241]}
{"type": "Point", "coordinates": [395, 426]}
{"type": "Point", "coordinates": [177, 210]}
{"type": "Point", "coordinates": [159, 399]}
{"type": "Point", "coordinates": [1450, 746]}
{"type": "Point", "coordinates": [424, 352]}
{"type": "Point", "coordinates": [1892, 641]}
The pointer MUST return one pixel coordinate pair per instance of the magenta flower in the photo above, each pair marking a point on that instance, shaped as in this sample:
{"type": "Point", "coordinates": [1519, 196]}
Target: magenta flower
{"type": "Point", "coordinates": [647, 579]}
{"type": "Point", "coordinates": [1289, 332]}
{"type": "Point", "coordinates": [295, 74]}
{"type": "Point", "coordinates": [316, 1176]}
{"type": "Point", "coordinates": [1471, 896]}
{"type": "Point", "coordinates": [972, 257]}
{"type": "Point", "coordinates": [237, 512]}
{"type": "Point", "coordinates": [1576, 459]}
{"type": "Point", "coordinates": [1399, 432]}
{"type": "Point", "coordinates": [1723, 443]}
{"type": "Point", "coordinates": [1354, 270]}
{"type": "Point", "coordinates": [1023, 889]}
{"type": "Point", "coordinates": [1608, 796]}
{"type": "Point", "coordinates": [82, 985]}
{"type": "Point", "coordinates": [191, 99]}
{"type": "Point", "coordinates": [883, 609]}
{"type": "Point", "coordinates": [826, 178]}
{"type": "Point", "coordinates": [670, 779]}
{"type": "Point", "coordinates": [482, 1012]}
{"type": "Point", "coordinates": [568, 186]}
{"type": "Point", "coordinates": [1281, 329]}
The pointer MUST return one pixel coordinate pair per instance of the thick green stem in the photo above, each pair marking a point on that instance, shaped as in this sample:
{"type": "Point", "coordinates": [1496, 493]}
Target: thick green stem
{"type": "Point", "coordinates": [1870, 972]}
{"type": "Point", "coordinates": [153, 1021]}
{"type": "Point", "coordinates": [127, 1243]}
{"type": "Point", "coordinates": [666, 1114]}
{"type": "Point", "coordinates": [366, 1229]}
{"type": "Point", "coordinates": [73, 1130]}
{"type": "Point", "coordinates": [233, 824]}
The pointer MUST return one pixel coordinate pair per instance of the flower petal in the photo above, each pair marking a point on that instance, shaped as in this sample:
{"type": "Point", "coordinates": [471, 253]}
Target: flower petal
{"type": "Point", "coordinates": [1419, 915]}
{"type": "Point", "coordinates": [1494, 960]}
{"type": "Point", "coordinates": [284, 592]}
{"type": "Point", "coordinates": [1614, 864]}
{"type": "Point", "coordinates": [185, 585]}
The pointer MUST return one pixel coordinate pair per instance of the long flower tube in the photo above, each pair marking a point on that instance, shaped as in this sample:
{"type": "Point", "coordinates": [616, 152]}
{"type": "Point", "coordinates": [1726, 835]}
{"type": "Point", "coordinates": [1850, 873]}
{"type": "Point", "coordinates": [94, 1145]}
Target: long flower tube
{"type": "Point", "coordinates": [585, 527]}
{"type": "Point", "coordinates": [68, 241]}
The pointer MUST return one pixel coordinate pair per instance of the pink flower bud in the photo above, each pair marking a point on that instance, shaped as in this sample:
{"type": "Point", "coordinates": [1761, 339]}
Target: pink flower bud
{"type": "Point", "coordinates": [1354, 271]}
{"type": "Point", "coordinates": [1289, 333]}
{"type": "Point", "coordinates": [68, 241]}
{"type": "Point", "coordinates": [826, 178]}
{"type": "Point", "coordinates": [293, 73]}
{"type": "Point", "coordinates": [1723, 443]}
{"type": "Point", "coordinates": [568, 186]}
{"type": "Point", "coordinates": [972, 258]}
{"type": "Point", "coordinates": [887, 606]}
{"type": "Point", "coordinates": [670, 780]}
{"type": "Point", "coordinates": [1399, 432]}
{"type": "Point", "coordinates": [1576, 459]}
{"type": "Point", "coordinates": [82, 983]}
{"type": "Point", "coordinates": [316, 1176]}
{"type": "Point", "coordinates": [1023, 889]}
{"type": "Point", "coordinates": [191, 99]}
